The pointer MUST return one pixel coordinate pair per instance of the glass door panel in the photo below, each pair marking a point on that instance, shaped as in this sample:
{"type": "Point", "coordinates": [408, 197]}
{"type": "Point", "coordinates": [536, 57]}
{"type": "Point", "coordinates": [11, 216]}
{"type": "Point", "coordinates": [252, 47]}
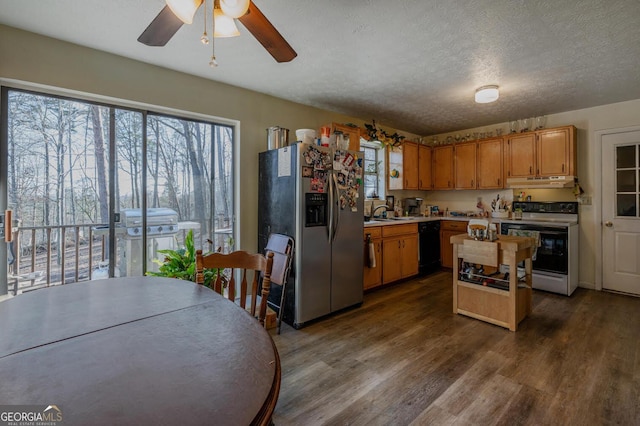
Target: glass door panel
{"type": "Point", "coordinates": [128, 193]}
{"type": "Point", "coordinates": [57, 188]}
{"type": "Point", "coordinates": [223, 221]}
{"type": "Point", "coordinates": [627, 178]}
{"type": "Point", "coordinates": [178, 182]}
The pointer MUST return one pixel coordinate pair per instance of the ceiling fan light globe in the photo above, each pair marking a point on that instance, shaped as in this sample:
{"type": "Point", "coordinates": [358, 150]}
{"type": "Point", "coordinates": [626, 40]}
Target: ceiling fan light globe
{"type": "Point", "coordinates": [234, 8]}
{"type": "Point", "coordinates": [487, 94]}
{"type": "Point", "coordinates": [225, 26]}
{"type": "Point", "coordinates": [185, 10]}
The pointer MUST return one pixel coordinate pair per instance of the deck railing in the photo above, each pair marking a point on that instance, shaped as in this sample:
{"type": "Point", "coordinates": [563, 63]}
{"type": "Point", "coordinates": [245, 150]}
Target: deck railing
{"type": "Point", "coordinates": [54, 255]}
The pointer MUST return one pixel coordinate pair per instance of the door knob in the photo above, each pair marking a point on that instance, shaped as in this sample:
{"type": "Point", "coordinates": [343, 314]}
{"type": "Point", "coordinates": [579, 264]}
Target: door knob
{"type": "Point", "coordinates": [608, 224]}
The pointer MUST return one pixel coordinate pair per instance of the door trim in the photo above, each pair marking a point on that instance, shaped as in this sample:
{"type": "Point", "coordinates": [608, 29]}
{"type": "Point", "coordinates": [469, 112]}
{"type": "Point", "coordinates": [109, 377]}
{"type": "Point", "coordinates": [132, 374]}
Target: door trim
{"type": "Point", "coordinates": [598, 135]}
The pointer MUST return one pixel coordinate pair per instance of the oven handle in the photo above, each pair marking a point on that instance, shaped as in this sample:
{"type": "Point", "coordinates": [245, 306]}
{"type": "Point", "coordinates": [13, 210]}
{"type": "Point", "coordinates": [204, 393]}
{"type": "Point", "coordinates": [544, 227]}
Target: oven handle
{"type": "Point", "coordinates": [552, 232]}
{"type": "Point", "coordinates": [541, 231]}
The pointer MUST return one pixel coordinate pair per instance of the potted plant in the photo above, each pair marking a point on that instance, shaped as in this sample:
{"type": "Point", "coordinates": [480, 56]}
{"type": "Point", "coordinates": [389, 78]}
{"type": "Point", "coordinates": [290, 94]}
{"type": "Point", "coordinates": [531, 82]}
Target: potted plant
{"type": "Point", "coordinates": [181, 264]}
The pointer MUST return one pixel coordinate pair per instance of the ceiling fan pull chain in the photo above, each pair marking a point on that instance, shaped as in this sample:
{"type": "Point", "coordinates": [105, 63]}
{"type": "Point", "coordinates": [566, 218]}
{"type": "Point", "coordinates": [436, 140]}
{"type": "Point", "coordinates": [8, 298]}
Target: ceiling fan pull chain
{"type": "Point", "coordinates": [213, 62]}
{"type": "Point", "coordinates": [205, 38]}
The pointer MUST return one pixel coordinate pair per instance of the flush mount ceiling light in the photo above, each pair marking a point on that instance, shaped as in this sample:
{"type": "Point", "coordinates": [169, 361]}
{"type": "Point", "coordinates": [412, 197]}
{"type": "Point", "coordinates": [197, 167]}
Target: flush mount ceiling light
{"type": "Point", "coordinates": [486, 94]}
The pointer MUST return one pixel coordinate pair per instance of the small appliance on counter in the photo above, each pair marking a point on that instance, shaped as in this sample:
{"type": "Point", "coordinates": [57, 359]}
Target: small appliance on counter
{"type": "Point", "coordinates": [412, 206]}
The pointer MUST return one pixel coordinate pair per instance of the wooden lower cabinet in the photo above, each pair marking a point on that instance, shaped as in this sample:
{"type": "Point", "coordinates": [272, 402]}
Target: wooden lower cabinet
{"type": "Point", "coordinates": [449, 228]}
{"type": "Point", "coordinates": [399, 252]}
{"type": "Point", "coordinates": [372, 277]}
{"type": "Point", "coordinates": [396, 248]}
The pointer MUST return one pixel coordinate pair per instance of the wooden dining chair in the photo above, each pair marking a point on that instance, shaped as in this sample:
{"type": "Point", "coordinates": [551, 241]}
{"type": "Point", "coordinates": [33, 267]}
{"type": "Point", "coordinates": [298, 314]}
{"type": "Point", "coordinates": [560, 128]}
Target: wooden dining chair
{"type": "Point", "coordinates": [255, 282]}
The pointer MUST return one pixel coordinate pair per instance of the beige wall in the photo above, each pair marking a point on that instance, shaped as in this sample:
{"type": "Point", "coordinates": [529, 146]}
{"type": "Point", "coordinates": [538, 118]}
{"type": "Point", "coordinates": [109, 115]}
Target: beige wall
{"type": "Point", "coordinates": [36, 59]}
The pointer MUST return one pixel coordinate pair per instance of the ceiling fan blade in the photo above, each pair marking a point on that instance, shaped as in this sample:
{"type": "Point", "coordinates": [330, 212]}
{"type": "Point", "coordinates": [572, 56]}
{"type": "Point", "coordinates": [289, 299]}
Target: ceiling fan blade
{"type": "Point", "coordinates": [161, 29]}
{"type": "Point", "coordinates": [267, 35]}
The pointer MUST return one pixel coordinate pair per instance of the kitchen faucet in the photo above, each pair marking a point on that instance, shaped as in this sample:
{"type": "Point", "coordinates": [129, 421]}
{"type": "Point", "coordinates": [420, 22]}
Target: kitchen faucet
{"type": "Point", "coordinates": [373, 211]}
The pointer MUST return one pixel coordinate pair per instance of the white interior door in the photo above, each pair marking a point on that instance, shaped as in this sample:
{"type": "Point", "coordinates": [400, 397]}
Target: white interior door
{"type": "Point", "coordinates": [621, 212]}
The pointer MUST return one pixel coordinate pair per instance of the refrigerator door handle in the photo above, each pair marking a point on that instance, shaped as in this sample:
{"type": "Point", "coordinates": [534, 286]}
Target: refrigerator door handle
{"type": "Point", "coordinates": [336, 206]}
{"type": "Point", "coordinates": [330, 202]}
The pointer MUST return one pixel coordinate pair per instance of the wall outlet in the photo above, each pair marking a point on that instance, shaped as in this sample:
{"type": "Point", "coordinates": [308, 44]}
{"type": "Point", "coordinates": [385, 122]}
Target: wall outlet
{"type": "Point", "coordinates": [585, 200]}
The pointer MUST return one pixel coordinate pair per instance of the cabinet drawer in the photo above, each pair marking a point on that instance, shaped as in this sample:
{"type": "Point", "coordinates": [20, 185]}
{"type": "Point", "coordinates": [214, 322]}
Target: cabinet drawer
{"type": "Point", "coordinates": [374, 231]}
{"type": "Point", "coordinates": [405, 228]}
{"type": "Point", "coordinates": [454, 225]}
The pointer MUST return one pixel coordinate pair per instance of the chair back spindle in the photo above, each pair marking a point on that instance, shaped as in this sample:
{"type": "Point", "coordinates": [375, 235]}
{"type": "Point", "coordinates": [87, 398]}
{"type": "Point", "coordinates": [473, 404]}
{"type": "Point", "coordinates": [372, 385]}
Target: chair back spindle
{"type": "Point", "coordinates": [243, 262]}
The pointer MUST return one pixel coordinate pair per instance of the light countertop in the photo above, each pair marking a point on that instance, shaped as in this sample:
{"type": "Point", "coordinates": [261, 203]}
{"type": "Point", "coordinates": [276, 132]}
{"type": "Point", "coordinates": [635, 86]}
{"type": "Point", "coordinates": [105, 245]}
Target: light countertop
{"type": "Point", "coordinates": [416, 219]}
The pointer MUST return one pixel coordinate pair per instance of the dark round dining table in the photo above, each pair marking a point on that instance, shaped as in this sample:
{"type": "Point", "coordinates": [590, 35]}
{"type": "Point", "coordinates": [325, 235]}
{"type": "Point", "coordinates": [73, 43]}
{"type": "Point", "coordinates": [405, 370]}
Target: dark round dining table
{"type": "Point", "coordinates": [138, 351]}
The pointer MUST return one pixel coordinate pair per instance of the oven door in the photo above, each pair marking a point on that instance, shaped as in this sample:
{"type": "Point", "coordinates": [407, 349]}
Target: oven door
{"type": "Point", "coordinates": [553, 254]}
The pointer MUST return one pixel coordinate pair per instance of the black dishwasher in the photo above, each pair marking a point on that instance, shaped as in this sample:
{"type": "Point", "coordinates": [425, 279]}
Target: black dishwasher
{"type": "Point", "coordinates": [429, 246]}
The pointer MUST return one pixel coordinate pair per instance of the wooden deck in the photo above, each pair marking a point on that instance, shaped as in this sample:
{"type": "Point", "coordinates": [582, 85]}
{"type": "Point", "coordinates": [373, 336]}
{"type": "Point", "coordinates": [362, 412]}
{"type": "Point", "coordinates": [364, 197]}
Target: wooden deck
{"type": "Point", "coordinates": [405, 358]}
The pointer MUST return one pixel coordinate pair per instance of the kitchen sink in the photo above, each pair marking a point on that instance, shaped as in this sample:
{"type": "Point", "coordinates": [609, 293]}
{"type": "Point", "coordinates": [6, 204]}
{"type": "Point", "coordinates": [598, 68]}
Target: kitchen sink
{"type": "Point", "coordinates": [380, 219]}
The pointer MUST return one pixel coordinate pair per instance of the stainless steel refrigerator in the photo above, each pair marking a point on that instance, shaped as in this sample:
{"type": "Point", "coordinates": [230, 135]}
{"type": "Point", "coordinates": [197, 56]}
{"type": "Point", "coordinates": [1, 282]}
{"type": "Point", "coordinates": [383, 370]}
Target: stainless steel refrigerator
{"type": "Point", "coordinates": [315, 195]}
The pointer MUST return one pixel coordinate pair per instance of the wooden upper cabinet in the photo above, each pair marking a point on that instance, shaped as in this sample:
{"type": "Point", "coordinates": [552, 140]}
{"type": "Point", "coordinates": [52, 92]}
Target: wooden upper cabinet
{"type": "Point", "coordinates": [490, 171]}
{"type": "Point", "coordinates": [410, 165]}
{"type": "Point", "coordinates": [352, 132]}
{"type": "Point", "coordinates": [465, 165]}
{"type": "Point", "coordinates": [556, 152]}
{"type": "Point", "coordinates": [424, 167]}
{"type": "Point", "coordinates": [442, 158]}
{"type": "Point", "coordinates": [547, 152]}
{"type": "Point", "coordinates": [521, 155]}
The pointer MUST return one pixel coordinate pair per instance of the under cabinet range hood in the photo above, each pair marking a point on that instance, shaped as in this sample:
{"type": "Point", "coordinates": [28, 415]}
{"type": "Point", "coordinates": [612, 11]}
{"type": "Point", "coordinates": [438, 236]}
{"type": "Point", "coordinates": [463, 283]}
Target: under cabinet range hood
{"type": "Point", "coordinates": [542, 182]}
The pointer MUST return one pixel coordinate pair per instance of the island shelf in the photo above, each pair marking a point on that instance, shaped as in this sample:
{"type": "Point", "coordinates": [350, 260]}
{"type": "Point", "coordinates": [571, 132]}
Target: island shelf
{"type": "Point", "coordinates": [493, 297]}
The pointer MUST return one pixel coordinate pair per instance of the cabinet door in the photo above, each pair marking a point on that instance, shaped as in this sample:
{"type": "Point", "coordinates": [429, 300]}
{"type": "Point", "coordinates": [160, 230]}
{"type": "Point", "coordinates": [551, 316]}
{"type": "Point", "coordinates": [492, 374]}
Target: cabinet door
{"type": "Point", "coordinates": [554, 152]}
{"type": "Point", "coordinates": [409, 256]}
{"type": "Point", "coordinates": [353, 133]}
{"type": "Point", "coordinates": [446, 248]}
{"type": "Point", "coordinates": [490, 170]}
{"type": "Point", "coordinates": [465, 166]}
{"type": "Point", "coordinates": [521, 156]}
{"type": "Point", "coordinates": [443, 167]}
{"type": "Point", "coordinates": [410, 165]}
{"type": "Point", "coordinates": [424, 167]}
{"type": "Point", "coordinates": [391, 259]}
{"type": "Point", "coordinates": [372, 277]}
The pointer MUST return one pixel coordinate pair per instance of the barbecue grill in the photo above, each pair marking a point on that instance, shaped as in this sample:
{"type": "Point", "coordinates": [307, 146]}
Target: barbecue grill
{"type": "Point", "coordinates": [162, 226]}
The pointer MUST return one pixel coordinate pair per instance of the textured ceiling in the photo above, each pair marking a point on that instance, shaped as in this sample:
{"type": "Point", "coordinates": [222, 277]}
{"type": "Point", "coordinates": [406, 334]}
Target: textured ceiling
{"type": "Point", "coordinates": [413, 64]}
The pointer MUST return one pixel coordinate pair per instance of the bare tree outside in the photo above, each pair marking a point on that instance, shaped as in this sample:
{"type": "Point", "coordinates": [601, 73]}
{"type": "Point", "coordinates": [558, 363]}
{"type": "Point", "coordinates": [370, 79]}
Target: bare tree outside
{"type": "Point", "coordinates": [60, 176]}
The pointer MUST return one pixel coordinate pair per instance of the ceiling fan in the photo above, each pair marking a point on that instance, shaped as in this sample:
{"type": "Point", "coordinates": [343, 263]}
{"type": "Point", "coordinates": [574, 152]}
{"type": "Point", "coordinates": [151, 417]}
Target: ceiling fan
{"type": "Point", "coordinates": [179, 12]}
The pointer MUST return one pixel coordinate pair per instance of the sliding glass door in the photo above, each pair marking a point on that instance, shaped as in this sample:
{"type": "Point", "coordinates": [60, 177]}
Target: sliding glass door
{"type": "Point", "coordinates": [98, 190]}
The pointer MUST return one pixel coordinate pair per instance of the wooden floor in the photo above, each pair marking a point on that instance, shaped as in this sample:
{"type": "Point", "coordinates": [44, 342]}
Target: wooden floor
{"type": "Point", "coordinates": [405, 358]}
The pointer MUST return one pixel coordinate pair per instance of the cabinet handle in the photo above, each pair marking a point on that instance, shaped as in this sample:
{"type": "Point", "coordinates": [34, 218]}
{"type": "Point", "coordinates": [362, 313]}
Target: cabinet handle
{"type": "Point", "coordinates": [563, 168]}
{"type": "Point", "coordinates": [471, 182]}
{"type": "Point", "coordinates": [399, 244]}
{"type": "Point", "coordinates": [448, 184]}
{"type": "Point", "coordinates": [530, 169]}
